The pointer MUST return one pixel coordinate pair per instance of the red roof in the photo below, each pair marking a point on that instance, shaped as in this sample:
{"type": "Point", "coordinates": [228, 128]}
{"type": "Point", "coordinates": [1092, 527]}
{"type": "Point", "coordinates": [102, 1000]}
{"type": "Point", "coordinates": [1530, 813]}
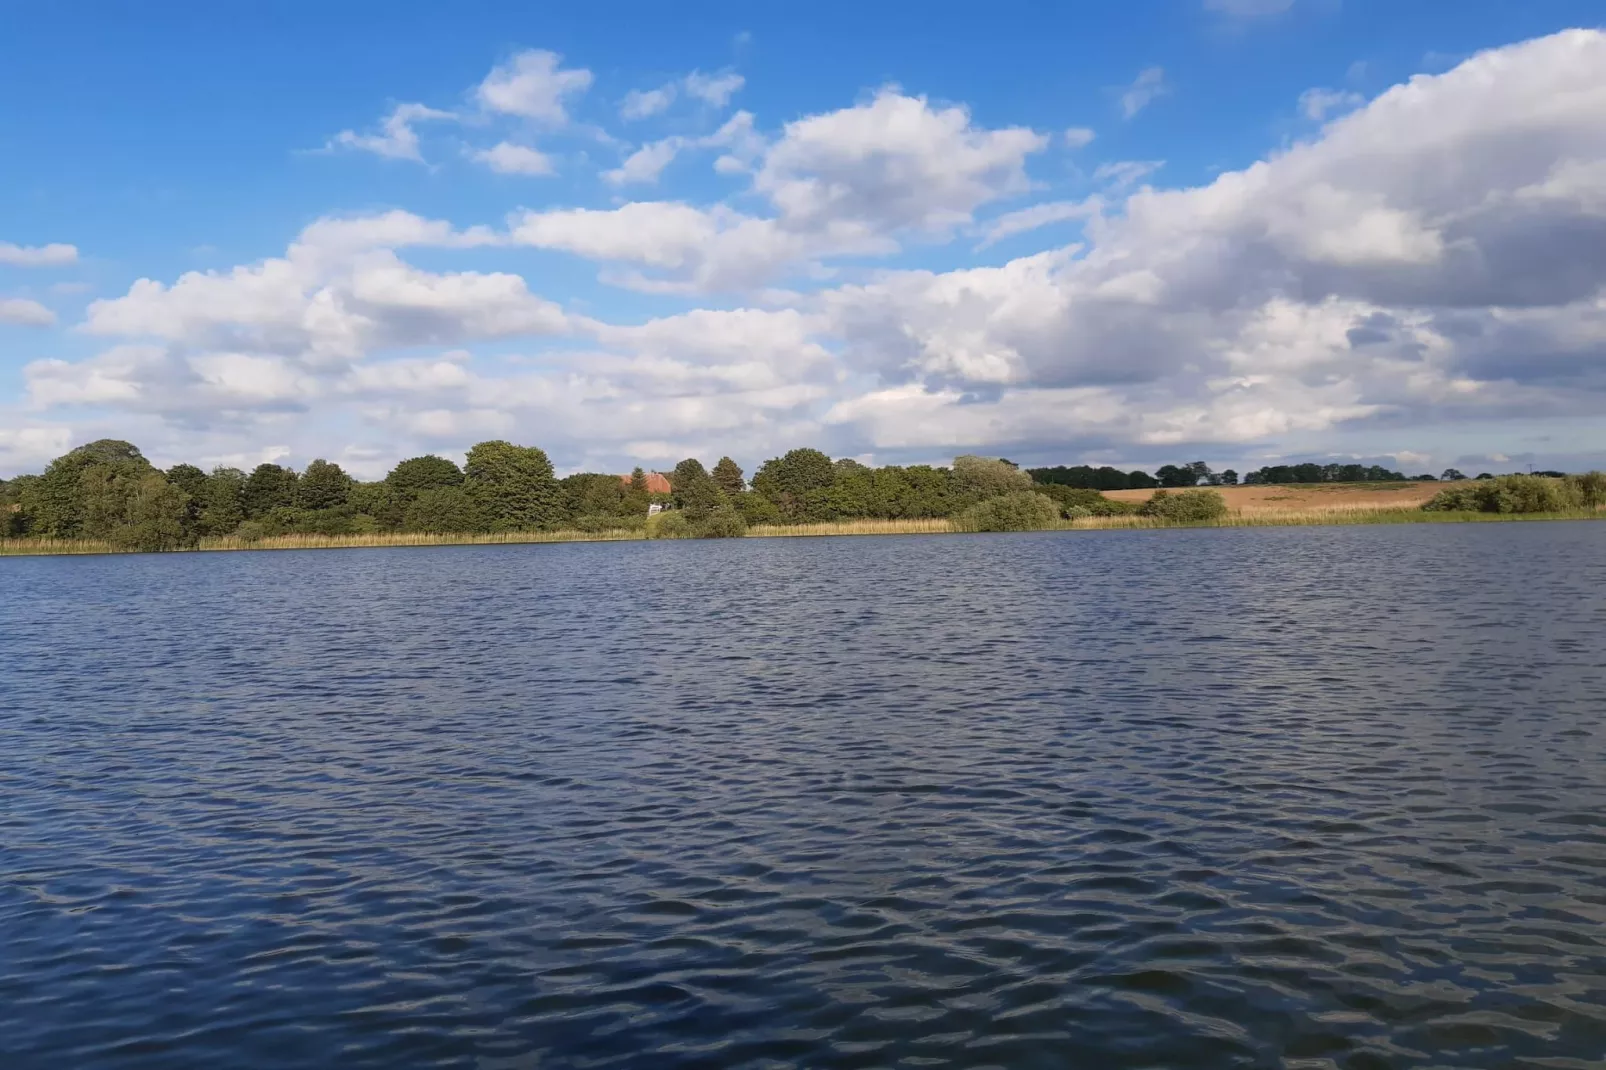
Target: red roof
{"type": "Point", "coordinates": [656, 483]}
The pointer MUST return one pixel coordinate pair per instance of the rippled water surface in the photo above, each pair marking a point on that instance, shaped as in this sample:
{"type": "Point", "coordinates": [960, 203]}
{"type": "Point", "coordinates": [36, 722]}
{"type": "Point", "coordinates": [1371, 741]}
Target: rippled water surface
{"type": "Point", "coordinates": [1242, 798]}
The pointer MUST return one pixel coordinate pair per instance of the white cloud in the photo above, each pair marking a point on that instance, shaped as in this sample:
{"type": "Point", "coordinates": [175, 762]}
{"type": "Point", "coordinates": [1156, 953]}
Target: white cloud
{"type": "Point", "coordinates": [1148, 85]}
{"type": "Point", "coordinates": [1121, 174]}
{"type": "Point", "coordinates": [53, 255]}
{"type": "Point", "coordinates": [397, 139]}
{"type": "Point", "coordinates": [507, 158]}
{"type": "Point", "coordinates": [1078, 137]}
{"type": "Point", "coordinates": [1318, 104]}
{"type": "Point", "coordinates": [646, 163]}
{"type": "Point", "coordinates": [643, 103]}
{"type": "Point", "coordinates": [533, 85]}
{"type": "Point", "coordinates": [893, 162]}
{"type": "Point", "coordinates": [715, 90]}
{"type": "Point", "coordinates": [1038, 215]}
{"type": "Point", "coordinates": [22, 312]}
{"type": "Point", "coordinates": [30, 448]}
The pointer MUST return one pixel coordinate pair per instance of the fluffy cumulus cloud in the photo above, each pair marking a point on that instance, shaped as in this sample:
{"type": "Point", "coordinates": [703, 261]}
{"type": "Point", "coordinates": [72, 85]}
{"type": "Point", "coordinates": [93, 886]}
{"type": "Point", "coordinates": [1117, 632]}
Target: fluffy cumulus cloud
{"type": "Point", "coordinates": [533, 85]}
{"type": "Point", "coordinates": [1432, 258]}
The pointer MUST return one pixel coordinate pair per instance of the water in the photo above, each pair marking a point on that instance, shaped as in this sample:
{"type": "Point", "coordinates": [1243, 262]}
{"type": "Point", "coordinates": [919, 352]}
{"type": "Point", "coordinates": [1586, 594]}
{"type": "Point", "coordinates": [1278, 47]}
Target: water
{"type": "Point", "coordinates": [1306, 798]}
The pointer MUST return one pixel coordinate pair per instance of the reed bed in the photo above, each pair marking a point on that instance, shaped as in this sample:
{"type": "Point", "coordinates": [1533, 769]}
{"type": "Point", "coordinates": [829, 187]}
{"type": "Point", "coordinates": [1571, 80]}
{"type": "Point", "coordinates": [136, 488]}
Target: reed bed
{"type": "Point", "coordinates": [1326, 516]}
{"type": "Point", "coordinates": [36, 547]}
{"type": "Point", "coordinates": [935, 526]}
{"type": "Point", "coordinates": [342, 542]}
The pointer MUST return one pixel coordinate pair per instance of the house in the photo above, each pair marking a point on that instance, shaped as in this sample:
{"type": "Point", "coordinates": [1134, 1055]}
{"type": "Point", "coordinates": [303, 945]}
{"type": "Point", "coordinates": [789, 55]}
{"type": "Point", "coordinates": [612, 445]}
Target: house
{"type": "Point", "coordinates": [657, 483]}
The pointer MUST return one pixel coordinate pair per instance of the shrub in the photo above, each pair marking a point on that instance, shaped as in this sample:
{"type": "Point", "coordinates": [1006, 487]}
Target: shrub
{"type": "Point", "coordinates": [595, 522]}
{"type": "Point", "coordinates": [1020, 511]}
{"type": "Point", "coordinates": [723, 523]}
{"type": "Point", "coordinates": [1515, 494]}
{"type": "Point", "coordinates": [1111, 507]}
{"type": "Point", "coordinates": [1186, 507]}
{"type": "Point", "coordinates": [1590, 488]}
{"type": "Point", "coordinates": [1076, 512]}
{"type": "Point", "coordinates": [670, 525]}
{"type": "Point", "coordinates": [250, 531]}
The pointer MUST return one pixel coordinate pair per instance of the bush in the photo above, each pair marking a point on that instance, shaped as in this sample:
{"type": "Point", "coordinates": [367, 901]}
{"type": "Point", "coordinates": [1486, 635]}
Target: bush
{"type": "Point", "coordinates": [1185, 507]}
{"type": "Point", "coordinates": [1590, 488]}
{"type": "Point", "coordinates": [723, 523]}
{"type": "Point", "coordinates": [1517, 494]}
{"type": "Point", "coordinates": [1111, 507]}
{"type": "Point", "coordinates": [250, 531]}
{"type": "Point", "coordinates": [1076, 512]}
{"type": "Point", "coordinates": [595, 522]}
{"type": "Point", "coordinates": [1020, 511]}
{"type": "Point", "coordinates": [670, 525]}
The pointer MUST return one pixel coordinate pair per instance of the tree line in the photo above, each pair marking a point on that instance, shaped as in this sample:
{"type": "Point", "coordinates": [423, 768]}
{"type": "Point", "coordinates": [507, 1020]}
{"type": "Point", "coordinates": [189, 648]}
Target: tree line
{"type": "Point", "coordinates": [109, 491]}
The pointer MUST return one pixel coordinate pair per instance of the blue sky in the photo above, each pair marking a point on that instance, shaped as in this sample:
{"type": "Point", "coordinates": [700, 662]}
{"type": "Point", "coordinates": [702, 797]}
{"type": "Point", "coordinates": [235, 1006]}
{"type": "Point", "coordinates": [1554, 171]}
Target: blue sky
{"type": "Point", "coordinates": [1156, 231]}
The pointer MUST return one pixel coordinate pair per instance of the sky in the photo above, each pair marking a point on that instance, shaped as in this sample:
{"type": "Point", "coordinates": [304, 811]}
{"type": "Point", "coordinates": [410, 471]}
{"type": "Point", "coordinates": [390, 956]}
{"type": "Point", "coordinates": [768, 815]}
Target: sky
{"type": "Point", "coordinates": [1244, 231]}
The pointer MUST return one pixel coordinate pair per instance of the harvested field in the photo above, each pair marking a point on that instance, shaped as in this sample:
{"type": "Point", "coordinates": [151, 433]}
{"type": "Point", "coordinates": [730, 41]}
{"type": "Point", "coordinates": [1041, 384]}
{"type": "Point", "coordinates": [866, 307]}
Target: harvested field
{"type": "Point", "coordinates": [1292, 497]}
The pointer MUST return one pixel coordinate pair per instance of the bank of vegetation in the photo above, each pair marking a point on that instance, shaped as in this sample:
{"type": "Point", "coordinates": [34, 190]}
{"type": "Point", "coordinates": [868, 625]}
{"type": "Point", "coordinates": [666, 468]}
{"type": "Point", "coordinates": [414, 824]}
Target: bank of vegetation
{"type": "Point", "coordinates": [106, 496]}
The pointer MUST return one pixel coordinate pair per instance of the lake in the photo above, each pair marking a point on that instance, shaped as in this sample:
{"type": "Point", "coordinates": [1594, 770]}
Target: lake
{"type": "Point", "coordinates": [1299, 797]}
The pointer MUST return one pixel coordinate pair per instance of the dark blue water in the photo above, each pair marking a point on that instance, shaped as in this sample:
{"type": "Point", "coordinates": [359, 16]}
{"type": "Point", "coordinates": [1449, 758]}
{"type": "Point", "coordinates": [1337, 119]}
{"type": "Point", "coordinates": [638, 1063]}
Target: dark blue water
{"type": "Point", "coordinates": [1306, 798]}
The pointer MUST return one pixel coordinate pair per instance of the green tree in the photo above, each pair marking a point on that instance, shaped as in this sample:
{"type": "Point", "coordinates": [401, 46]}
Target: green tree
{"type": "Point", "coordinates": [423, 473]}
{"type": "Point", "coordinates": [221, 501]}
{"type": "Point", "coordinates": [979, 478]}
{"type": "Point", "coordinates": [1191, 506]}
{"type": "Point", "coordinates": [443, 510]}
{"type": "Point", "coordinates": [788, 479]}
{"type": "Point", "coordinates": [267, 488]}
{"type": "Point", "coordinates": [324, 485]}
{"type": "Point", "coordinates": [1452, 475]}
{"type": "Point", "coordinates": [639, 496]}
{"type": "Point", "coordinates": [156, 517]}
{"type": "Point", "coordinates": [1012, 511]}
{"type": "Point", "coordinates": [513, 486]}
{"type": "Point", "coordinates": [57, 503]}
{"type": "Point", "coordinates": [696, 493]}
{"type": "Point", "coordinates": [728, 474]}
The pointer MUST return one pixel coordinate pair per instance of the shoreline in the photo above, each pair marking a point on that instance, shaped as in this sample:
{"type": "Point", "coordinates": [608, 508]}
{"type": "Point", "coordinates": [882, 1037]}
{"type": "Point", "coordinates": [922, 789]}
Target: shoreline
{"type": "Point", "coordinates": [1337, 516]}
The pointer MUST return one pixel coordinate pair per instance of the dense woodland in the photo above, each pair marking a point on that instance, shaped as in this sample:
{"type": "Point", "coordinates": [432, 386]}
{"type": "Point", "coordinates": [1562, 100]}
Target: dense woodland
{"type": "Point", "coordinates": [108, 491]}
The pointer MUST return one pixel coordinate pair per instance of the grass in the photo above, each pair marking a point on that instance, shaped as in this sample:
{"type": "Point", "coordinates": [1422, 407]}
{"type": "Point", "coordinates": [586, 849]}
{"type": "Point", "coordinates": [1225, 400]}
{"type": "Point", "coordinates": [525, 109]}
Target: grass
{"type": "Point", "coordinates": [1255, 518]}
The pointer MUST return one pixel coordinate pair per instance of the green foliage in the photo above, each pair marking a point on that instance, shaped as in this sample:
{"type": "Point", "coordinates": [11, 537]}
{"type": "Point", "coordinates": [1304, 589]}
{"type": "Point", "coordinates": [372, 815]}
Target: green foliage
{"type": "Point", "coordinates": [599, 522]}
{"type": "Point", "coordinates": [383, 503]}
{"type": "Point", "coordinates": [696, 493]}
{"type": "Point", "coordinates": [728, 474]}
{"type": "Point", "coordinates": [638, 497]}
{"type": "Point", "coordinates": [324, 485]}
{"type": "Point", "coordinates": [1521, 494]}
{"type": "Point", "coordinates": [975, 479]}
{"type": "Point", "coordinates": [592, 493]}
{"type": "Point", "coordinates": [1015, 511]}
{"type": "Point", "coordinates": [58, 506]}
{"type": "Point", "coordinates": [1069, 498]}
{"type": "Point", "coordinates": [1089, 478]}
{"type": "Point", "coordinates": [1186, 507]}
{"type": "Point", "coordinates": [218, 506]}
{"type": "Point", "coordinates": [723, 523]}
{"type": "Point", "coordinates": [671, 525]}
{"type": "Point", "coordinates": [1451, 475]}
{"type": "Point", "coordinates": [757, 509]}
{"type": "Point", "coordinates": [155, 517]}
{"type": "Point", "coordinates": [15, 519]}
{"type": "Point", "coordinates": [418, 474]}
{"type": "Point", "coordinates": [1323, 473]}
{"type": "Point", "coordinates": [513, 486]}
{"type": "Point", "coordinates": [789, 479]}
{"type": "Point", "coordinates": [267, 488]}
{"type": "Point", "coordinates": [443, 510]}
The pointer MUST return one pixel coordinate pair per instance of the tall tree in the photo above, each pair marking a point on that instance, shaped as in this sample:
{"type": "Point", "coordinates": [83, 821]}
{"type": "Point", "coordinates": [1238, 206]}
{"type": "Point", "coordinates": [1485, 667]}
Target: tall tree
{"type": "Point", "coordinates": [696, 493]}
{"type": "Point", "coordinates": [58, 503]}
{"type": "Point", "coordinates": [422, 473]}
{"type": "Point", "coordinates": [728, 474]}
{"type": "Point", "coordinates": [513, 486]}
{"type": "Point", "coordinates": [267, 488]}
{"type": "Point", "coordinates": [324, 485]}
{"type": "Point", "coordinates": [639, 496]}
{"type": "Point", "coordinates": [979, 478]}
